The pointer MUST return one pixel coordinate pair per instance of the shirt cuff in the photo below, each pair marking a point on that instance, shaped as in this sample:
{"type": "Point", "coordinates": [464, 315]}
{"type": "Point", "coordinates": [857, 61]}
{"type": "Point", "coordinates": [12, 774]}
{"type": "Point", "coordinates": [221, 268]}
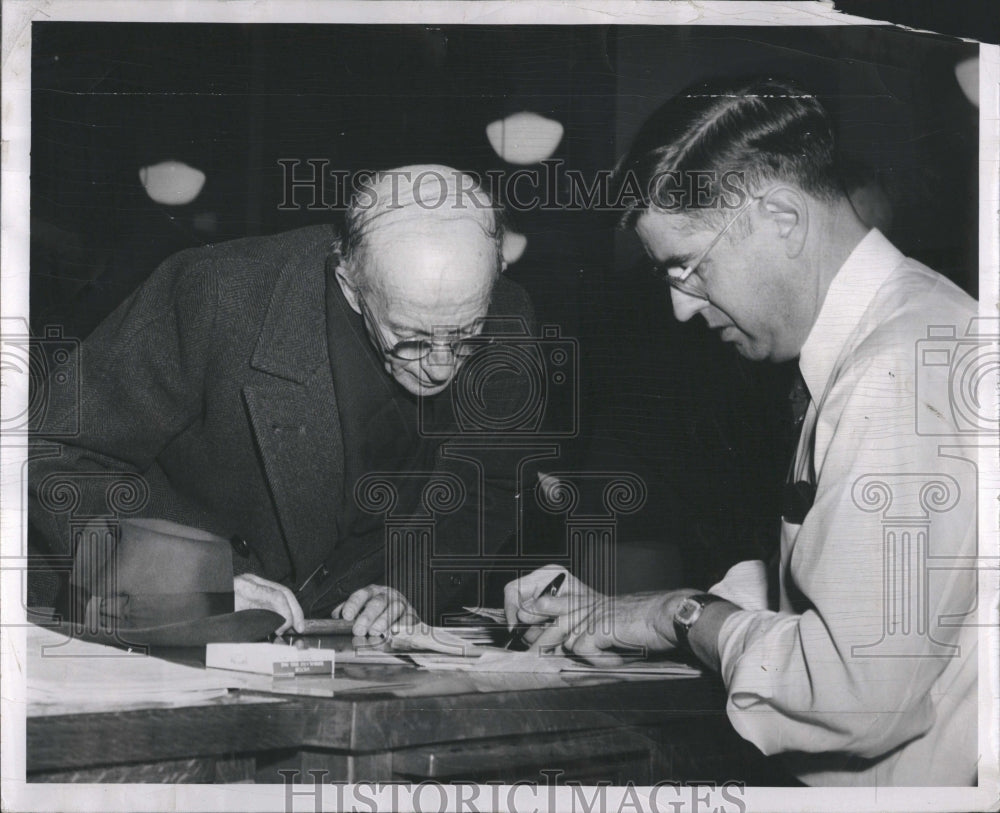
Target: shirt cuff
{"type": "Point", "coordinates": [745, 585]}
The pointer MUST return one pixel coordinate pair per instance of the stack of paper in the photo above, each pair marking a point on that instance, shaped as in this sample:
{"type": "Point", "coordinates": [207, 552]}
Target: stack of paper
{"type": "Point", "coordinates": [69, 675]}
{"type": "Point", "coordinates": [471, 647]}
{"type": "Point", "coordinates": [451, 640]}
{"type": "Point", "coordinates": [493, 659]}
{"type": "Point", "coordinates": [502, 660]}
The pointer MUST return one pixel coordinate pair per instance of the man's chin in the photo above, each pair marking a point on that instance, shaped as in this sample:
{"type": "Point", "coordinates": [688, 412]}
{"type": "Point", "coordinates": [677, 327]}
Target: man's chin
{"type": "Point", "coordinates": [420, 389]}
{"type": "Point", "coordinates": [753, 351]}
{"type": "Point", "coordinates": [749, 349]}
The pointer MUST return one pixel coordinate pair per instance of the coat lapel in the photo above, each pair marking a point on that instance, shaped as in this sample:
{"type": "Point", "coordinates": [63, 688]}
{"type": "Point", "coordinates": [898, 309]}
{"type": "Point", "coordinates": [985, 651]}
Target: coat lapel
{"type": "Point", "coordinates": [294, 413]}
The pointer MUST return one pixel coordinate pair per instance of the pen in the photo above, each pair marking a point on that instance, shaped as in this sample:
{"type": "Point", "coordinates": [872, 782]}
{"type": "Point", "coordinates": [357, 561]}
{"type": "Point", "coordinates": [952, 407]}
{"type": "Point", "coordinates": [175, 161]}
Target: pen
{"type": "Point", "coordinates": [551, 589]}
{"type": "Point", "coordinates": [321, 572]}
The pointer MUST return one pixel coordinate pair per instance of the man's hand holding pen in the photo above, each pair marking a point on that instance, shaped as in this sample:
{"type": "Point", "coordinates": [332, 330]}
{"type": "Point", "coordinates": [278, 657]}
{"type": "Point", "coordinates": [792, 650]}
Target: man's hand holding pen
{"type": "Point", "coordinates": [587, 623]}
{"type": "Point", "coordinates": [539, 605]}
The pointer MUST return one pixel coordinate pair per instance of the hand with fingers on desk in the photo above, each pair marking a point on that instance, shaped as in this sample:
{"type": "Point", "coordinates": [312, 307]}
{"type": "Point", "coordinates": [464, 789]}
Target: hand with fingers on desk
{"type": "Point", "coordinates": [377, 610]}
{"type": "Point", "coordinates": [587, 623]}
{"type": "Point", "coordinates": [252, 592]}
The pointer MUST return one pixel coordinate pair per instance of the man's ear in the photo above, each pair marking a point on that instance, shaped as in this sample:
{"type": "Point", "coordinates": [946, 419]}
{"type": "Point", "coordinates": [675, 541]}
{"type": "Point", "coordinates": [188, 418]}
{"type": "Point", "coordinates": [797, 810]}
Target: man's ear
{"type": "Point", "coordinates": [348, 287]}
{"type": "Point", "coordinates": [788, 210]}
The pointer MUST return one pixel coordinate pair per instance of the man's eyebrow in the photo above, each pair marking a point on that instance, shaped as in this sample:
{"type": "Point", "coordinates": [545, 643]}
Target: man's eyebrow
{"type": "Point", "coordinates": [676, 261]}
{"type": "Point", "coordinates": [398, 329]}
{"type": "Point", "coordinates": [404, 331]}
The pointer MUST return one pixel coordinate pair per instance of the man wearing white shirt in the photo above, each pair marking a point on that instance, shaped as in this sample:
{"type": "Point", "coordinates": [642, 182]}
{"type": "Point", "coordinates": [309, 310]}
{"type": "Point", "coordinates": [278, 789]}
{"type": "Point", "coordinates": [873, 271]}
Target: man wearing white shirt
{"type": "Point", "coordinates": [865, 671]}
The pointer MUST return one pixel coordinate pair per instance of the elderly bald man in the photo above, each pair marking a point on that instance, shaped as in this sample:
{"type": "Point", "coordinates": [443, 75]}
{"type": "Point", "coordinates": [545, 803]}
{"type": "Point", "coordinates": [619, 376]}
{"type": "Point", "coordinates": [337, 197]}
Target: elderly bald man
{"type": "Point", "coordinates": [253, 383]}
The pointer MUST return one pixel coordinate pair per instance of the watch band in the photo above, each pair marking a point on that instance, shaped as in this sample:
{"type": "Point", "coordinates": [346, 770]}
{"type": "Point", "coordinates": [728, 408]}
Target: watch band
{"type": "Point", "coordinates": [688, 613]}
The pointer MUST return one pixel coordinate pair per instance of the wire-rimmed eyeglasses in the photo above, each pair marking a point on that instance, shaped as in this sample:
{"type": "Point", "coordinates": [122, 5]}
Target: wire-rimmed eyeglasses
{"type": "Point", "coordinates": [686, 279]}
{"type": "Point", "coordinates": [460, 344]}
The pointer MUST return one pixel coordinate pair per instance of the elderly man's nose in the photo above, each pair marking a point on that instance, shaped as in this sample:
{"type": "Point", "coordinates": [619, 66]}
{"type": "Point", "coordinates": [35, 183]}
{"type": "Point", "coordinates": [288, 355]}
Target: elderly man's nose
{"type": "Point", "coordinates": [439, 364]}
{"type": "Point", "coordinates": [685, 305]}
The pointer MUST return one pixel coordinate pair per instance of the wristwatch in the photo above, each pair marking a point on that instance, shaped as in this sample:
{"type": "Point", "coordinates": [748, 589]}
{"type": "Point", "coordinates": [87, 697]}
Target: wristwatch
{"type": "Point", "coordinates": [688, 613]}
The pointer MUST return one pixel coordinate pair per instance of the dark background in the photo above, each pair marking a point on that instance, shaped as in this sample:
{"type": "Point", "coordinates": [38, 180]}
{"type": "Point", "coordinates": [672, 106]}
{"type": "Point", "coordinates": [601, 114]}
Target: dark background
{"type": "Point", "coordinates": [706, 430]}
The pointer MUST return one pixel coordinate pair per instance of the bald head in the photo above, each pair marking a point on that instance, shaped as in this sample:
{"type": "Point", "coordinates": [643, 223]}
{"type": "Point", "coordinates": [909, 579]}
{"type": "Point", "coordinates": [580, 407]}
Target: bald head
{"type": "Point", "coordinates": [420, 255]}
{"type": "Point", "coordinates": [423, 205]}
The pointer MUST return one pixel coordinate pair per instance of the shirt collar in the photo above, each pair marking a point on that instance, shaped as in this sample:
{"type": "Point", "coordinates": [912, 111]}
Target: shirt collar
{"type": "Point", "coordinates": [848, 297]}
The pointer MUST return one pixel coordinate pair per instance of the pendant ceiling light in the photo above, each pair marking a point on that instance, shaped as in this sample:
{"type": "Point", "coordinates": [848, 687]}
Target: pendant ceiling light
{"type": "Point", "coordinates": [172, 183]}
{"type": "Point", "coordinates": [524, 138]}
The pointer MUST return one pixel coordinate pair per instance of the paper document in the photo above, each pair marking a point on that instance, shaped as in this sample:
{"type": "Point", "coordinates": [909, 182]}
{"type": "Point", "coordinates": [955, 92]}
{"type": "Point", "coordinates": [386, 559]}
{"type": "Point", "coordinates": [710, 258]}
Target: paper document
{"type": "Point", "coordinates": [501, 660]}
{"type": "Point", "coordinates": [67, 675]}
{"type": "Point", "coordinates": [448, 640]}
{"type": "Point", "coordinates": [493, 613]}
{"type": "Point", "coordinates": [473, 647]}
{"type": "Point", "coordinates": [492, 659]}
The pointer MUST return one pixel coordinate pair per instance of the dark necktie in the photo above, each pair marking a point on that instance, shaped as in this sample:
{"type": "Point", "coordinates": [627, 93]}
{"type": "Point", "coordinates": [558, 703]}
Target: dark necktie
{"type": "Point", "coordinates": [798, 496]}
{"type": "Point", "coordinates": [798, 396]}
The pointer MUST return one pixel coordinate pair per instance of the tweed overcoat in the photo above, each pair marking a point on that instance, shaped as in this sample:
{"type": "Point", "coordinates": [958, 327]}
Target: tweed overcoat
{"type": "Point", "coordinates": [235, 391]}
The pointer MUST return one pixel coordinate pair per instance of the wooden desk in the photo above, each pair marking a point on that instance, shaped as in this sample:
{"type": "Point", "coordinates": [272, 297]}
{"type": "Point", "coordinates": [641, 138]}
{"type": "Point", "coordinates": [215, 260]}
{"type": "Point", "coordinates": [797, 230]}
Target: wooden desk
{"type": "Point", "coordinates": [447, 726]}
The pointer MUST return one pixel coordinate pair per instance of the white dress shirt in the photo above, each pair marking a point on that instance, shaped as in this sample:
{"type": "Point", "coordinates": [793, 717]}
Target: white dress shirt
{"type": "Point", "coordinates": [866, 672]}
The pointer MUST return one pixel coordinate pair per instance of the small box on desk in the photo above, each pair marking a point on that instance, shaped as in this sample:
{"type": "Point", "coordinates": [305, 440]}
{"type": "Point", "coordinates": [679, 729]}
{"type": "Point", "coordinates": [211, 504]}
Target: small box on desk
{"type": "Point", "coordinates": [279, 660]}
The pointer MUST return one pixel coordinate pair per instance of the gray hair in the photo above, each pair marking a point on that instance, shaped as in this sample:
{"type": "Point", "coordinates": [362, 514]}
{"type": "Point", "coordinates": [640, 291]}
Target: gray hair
{"type": "Point", "coordinates": [433, 192]}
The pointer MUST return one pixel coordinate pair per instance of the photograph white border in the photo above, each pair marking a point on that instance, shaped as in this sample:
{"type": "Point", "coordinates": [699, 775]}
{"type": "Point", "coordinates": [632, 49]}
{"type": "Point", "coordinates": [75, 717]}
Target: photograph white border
{"type": "Point", "coordinates": [14, 278]}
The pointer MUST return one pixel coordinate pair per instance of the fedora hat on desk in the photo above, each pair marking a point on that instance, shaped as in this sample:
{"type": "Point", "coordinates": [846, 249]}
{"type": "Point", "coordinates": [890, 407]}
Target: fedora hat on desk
{"type": "Point", "coordinates": [158, 583]}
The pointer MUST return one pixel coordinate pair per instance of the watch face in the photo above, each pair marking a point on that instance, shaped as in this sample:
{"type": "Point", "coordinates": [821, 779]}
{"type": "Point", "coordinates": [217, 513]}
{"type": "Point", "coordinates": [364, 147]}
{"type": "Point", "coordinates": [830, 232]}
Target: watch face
{"type": "Point", "coordinates": [689, 611]}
